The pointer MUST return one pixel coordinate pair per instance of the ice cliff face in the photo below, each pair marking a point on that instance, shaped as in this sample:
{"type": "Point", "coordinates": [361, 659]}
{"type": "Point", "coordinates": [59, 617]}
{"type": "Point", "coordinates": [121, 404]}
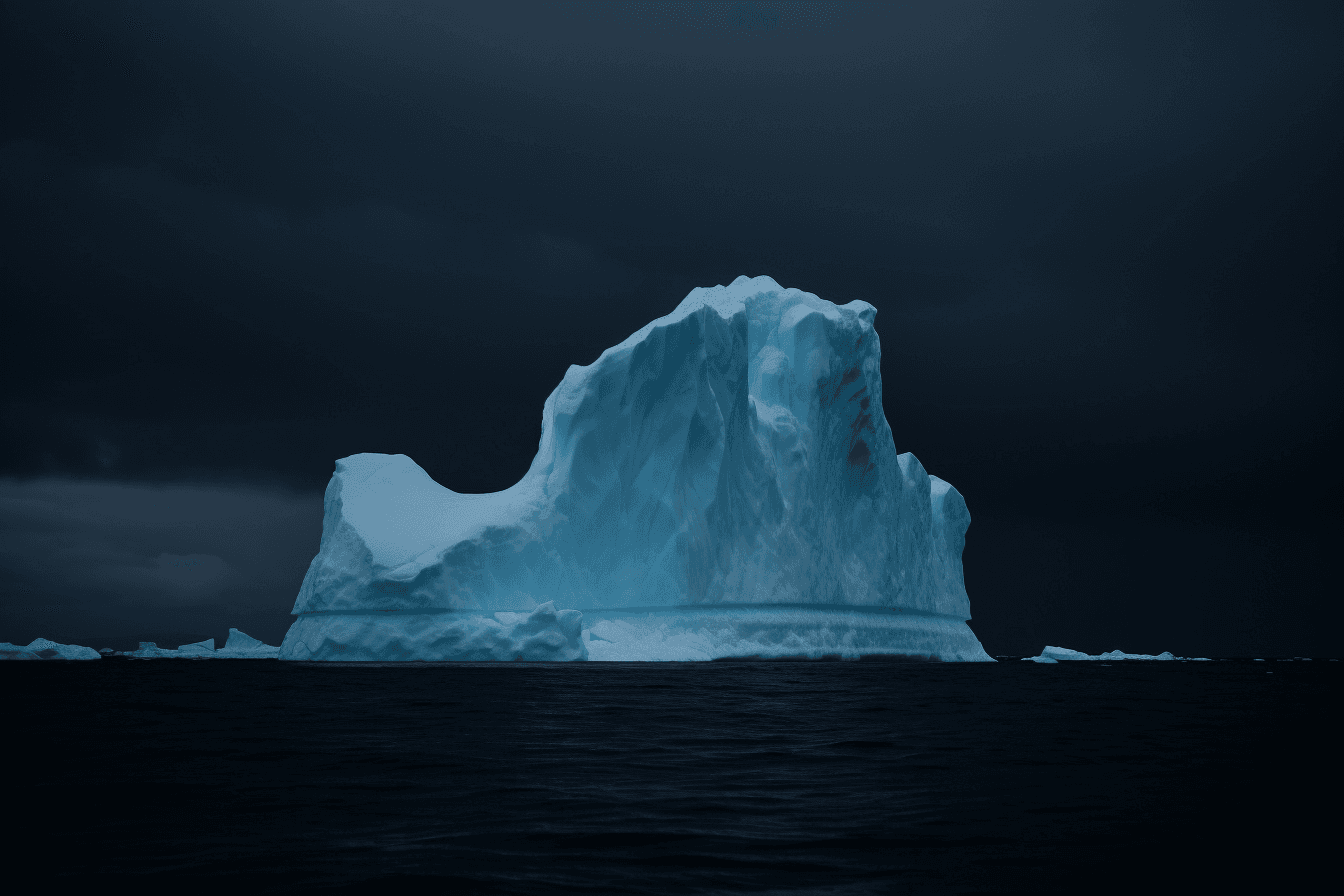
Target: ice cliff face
{"type": "Point", "coordinates": [731, 455]}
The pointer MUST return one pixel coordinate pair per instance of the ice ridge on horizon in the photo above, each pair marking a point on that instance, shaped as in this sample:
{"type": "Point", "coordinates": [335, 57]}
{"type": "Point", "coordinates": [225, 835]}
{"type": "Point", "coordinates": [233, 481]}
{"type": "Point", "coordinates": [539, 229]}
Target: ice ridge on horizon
{"type": "Point", "coordinates": [1065, 655]}
{"type": "Point", "coordinates": [43, 649]}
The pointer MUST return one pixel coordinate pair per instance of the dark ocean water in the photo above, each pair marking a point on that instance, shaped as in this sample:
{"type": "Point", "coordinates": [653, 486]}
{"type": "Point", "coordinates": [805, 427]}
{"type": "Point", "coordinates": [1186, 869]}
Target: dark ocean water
{"type": "Point", "coordinates": [748, 777]}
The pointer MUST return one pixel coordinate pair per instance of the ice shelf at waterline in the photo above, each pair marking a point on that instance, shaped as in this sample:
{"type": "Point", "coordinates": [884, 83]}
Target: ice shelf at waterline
{"type": "Point", "coordinates": [722, 483]}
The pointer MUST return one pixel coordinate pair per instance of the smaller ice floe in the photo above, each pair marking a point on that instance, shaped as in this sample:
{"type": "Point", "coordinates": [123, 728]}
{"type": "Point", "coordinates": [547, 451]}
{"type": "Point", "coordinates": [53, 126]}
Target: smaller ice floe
{"type": "Point", "coordinates": [42, 649]}
{"type": "Point", "coordinates": [240, 646]}
{"type": "Point", "coordinates": [1064, 654]}
{"type": "Point", "coordinates": [148, 650]}
{"type": "Point", "coordinates": [245, 647]}
{"type": "Point", "coordinates": [204, 648]}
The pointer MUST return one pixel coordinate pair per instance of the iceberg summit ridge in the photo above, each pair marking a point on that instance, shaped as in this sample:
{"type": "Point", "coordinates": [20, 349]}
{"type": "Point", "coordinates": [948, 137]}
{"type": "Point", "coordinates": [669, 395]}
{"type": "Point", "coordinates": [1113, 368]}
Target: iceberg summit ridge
{"type": "Point", "coordinates": [723, 480]}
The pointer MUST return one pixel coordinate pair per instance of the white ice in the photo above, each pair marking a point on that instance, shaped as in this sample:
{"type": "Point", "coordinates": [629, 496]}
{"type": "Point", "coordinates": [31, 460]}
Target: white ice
{"type": "Point", "coordinates": [1064, 654]}
{"type": "Point", "coordinates": [42, 649]}
{"type": "Point", "coordinates": [732, 455]}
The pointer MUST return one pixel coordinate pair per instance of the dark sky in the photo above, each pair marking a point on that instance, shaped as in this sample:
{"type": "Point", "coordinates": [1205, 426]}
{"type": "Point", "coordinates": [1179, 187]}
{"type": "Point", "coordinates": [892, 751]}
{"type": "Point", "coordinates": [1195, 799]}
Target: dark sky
{"type": "Point", "coordinates": [242, 240]}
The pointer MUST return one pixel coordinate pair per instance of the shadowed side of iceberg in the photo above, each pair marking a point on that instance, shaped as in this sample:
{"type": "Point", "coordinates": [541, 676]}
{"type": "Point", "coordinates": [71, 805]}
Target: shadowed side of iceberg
{"type": "Point", "coordinates": [544, 635]}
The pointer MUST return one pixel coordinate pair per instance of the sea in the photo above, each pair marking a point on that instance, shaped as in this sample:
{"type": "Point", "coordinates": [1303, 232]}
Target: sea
{"type": "Point", "coordinates": [259, 776]}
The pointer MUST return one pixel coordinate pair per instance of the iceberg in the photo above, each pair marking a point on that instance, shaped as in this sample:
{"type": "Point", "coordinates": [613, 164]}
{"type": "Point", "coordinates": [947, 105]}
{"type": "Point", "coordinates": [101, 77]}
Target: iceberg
{"type": "Point", "coordinates": [1064, 654]}
{"type": "Point", "coordinates": [238, 646]}
{"type": "Point", "coordinates": [245, 647]}
{"type": "Point", "coordinates": [204, 648]}
{"type": "Point", "coordinates": [42, 649]}
{"type": "Point", "coordinates": [723, 483]}
{"type": "Point", "coordinates": [149, 650]}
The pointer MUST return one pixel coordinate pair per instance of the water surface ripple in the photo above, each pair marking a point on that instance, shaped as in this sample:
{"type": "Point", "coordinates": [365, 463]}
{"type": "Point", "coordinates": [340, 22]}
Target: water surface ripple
{"type": "Point", "coordinates": [761, 777]}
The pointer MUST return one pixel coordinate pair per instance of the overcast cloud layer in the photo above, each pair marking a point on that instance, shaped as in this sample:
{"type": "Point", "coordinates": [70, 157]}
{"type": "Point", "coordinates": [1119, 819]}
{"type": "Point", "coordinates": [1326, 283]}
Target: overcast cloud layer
{"type": "Point", "coordinates": [99, 561]}
{"type": "Point", "coordinates": [1103, 240]}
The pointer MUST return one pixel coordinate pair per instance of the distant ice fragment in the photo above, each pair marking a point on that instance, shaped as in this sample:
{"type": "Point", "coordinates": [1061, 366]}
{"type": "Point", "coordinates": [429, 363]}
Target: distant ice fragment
{"type": "Point", "coordinates": [204, 648]}
{"type": "Point", "coordinates": [150, 650]}
{"type": "Point", "coordinates": [42, 649]}
{"type": "Point", "coordinates": [238, 646]}
{"type": "Point", "coordinates": [245, 647]}
{"type": "Point", "coordinates": [730, 456]}
{"type": "Point", "coordinates": [1064, 654]}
